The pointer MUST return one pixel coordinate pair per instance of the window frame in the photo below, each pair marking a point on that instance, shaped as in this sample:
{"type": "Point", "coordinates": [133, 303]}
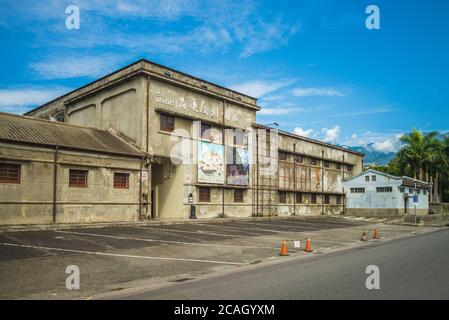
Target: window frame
{"type": "Point", "coordinates": [17, 174]}
{"type": "Point", "coordinates": [164, 124]}
{"type": "Point", "coordinates": [241, 196]}
{"type": "Point", "coordinates": [202, 192]}
{"type": "Point", "coordinates": [78, 171]}
{"type": "Point", "coordinates": [327, 199]}
{"type": "Point", "coordinates": [282, 197]}
{"type": "Point", "coordinates": [313, 198]}
{"type": "Point", "coordinates": [299, 197]}
{"type": "Point", "coordinates": [118, 186]}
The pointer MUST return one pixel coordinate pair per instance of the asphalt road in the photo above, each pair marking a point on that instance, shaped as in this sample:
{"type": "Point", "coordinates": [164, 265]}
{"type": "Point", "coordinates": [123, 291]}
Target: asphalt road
{"type": "Point", "coordinates": [410, 268]}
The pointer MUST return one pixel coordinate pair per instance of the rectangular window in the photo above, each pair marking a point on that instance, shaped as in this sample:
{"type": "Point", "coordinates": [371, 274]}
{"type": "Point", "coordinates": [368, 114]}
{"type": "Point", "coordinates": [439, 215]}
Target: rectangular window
{"type": "Point", "coordinates": [238, 195]}
{"type": "Point", "coordinates": [384, 189]}
{"type": "Point", "coordinates": [206, 130]}
{"type": "Point", "coordinates": [121, 180]}
{"type": "Point", "coordinates": [282, 197]}
{"type": "Point", "coordinates": [298, 197]}
{"type": "Point", "coordinates": [167, 122]}
{"type": "Point", "coordinates": [327, 164]}
{"type": "Point", "coordinates": [327, 199]}
{"type": "Point", "coordinates": [418, 191]}
{"type": "Point", "coordinates": [313, 198]}
{"type": "Point", "coordinates": [373, 178]}
{"type": "Point", "coordinates": [313, 162]}
{"type": "Point", "coordinates": [339, 199]}
{"type": "Point", "coordinates": [78, 178]}
{"type": "Point", "coordinates": [401, 189]}
{"type": "Point", "coordinates": [9, 173]}
{"type": "Point", "coordinates": [424, 192]}
{"type": "Point", "coordinates": [338, 166]}
{"type": "Point", "coordinates": [204, 194]}
{"type": "Point", "coordinates": [349, 168]}
{"type": "Point", "coordinates": [298, 159]}
{"type": "Point", "coordinates": [282, 156]}
{"type": "Point", "coordinates": [357, 190]}
{"type": "Point", "coordinates": [367, 178]}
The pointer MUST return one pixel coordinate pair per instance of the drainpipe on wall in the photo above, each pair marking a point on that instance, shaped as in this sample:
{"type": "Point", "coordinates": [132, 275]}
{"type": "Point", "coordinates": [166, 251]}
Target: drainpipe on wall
{"type": "Point", "coordinates": [322, 181]}
{"type": "Point", "coordinates": [294, 179]}
{"type": "Point", "coordinates": [140, 189]}
{"type": "Point", "coordinates": [55, 181]}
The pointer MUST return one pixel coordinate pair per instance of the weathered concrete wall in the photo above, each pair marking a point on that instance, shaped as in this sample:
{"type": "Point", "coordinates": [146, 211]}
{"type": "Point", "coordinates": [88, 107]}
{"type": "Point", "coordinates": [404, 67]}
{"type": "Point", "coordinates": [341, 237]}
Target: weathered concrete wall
{"type": "Point", "coordinates": [31, 201]}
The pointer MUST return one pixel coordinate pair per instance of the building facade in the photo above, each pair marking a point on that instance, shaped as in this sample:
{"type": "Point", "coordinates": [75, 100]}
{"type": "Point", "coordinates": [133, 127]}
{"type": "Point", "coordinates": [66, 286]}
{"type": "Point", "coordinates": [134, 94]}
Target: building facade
{"type": "Point", "coordinates": [377, 194]}
{"type": "Point", "coordinates": [58, 173]}
{"type": "Point", "coordinates": [202, 140]}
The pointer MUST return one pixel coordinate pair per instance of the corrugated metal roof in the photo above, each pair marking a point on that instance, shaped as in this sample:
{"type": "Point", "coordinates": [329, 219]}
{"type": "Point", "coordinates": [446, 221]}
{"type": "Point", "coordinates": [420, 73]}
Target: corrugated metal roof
{"type": "Point", "coordinates": [22, 129]}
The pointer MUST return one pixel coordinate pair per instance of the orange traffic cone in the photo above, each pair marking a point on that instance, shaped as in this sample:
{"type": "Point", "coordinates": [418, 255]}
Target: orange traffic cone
{"type": "Point", "coordinates": [364, 236]}
{"type": "Point", "coordinates": [308, 246]}
{"type": "Point", "coordinates": [376, 234]}
{"type": "Point", "coordinates": [284, 251]}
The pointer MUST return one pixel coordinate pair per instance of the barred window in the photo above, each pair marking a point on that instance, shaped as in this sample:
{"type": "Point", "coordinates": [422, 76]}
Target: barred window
{"type": "Point", "coordinates": [384, 189]}
{"type": "Point", "coordinates": [9, 173]}
{"type": "Point", "coordinates": [367, 178]}
{"type": "Point", "coordinates": [298, 197]}
{"type": "Point", "coordinates": [373, 178]}
{"type": "Point", "coordinates": [282, 197]}
{"type": "Point", "coordinates": [327, 199]}
{"type": "Point", "coordinates": [121, 180]}
{"type": "Point", "coordinates": [204, 194]}
{"type": "Point", "coordinates": [167, 122]}
{"type": "Point", "coordinates": [298, 159]}
{"type": "Point", "coordinates": [282, 156]}
{"type": "Point", "coordinates": [238, 195]}
{"type": "Point", "coordinates": [78, 178]}
{"type": "Point", "coordinates": [339, 199]}
{"type": "Point", "coordinates": [357, 190]}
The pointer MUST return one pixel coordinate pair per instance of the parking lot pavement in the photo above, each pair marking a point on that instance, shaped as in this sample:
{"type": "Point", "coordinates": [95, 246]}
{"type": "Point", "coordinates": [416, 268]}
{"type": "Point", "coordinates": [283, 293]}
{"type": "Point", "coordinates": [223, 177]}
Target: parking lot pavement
{"type": "Point", "coordinates": [33, 263]}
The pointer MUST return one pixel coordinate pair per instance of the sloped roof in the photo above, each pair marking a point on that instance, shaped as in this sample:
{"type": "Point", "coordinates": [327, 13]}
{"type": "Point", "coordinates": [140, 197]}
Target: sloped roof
{"type": "Point", "coordinates": [20, 129]}
{"type": "Point", "coordinates": [406, 181]}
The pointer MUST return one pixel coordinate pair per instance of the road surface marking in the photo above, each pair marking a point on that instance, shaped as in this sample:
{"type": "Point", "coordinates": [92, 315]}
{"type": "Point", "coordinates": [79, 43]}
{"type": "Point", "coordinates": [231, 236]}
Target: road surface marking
{"type": "Point", "coordinates": [195, 232]}
{"type": "Point", "coordinates": [246, 229]}
{"type": "Point", "coordinates": [166, 241]}
{"type": "Point", "coordinates": [119, 255]}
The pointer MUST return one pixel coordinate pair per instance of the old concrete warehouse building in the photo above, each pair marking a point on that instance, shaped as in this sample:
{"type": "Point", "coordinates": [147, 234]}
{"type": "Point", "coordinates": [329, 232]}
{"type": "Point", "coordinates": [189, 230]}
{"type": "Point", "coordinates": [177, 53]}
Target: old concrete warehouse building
{"type": "Point", "coordinates": [169, 136]}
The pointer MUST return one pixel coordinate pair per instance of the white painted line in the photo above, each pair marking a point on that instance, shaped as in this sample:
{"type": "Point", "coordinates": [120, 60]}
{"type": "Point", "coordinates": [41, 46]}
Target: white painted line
{"type": "Point", "coordinates": [199, 232]}
{"type": "Point", "coordinates": [119, 255]}
{"type": "Point", "coordinates": [246, 229]}
{"type": "Point", "coordinates": [166, 241]}
{"type": "Point", "coordinates": [277, 225]}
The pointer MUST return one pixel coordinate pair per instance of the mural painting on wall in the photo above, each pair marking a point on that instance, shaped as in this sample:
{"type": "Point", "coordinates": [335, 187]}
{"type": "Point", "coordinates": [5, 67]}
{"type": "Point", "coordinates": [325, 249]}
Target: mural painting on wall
{"type": "Point", "coordinates": [237, 168]}
{"type": "Point", "coordinates": [210, 162]}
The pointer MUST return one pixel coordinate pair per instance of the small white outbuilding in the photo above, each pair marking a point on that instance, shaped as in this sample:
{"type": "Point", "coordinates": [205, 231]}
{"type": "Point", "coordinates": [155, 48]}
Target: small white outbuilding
{"type": "Point", "coordinates": [377, 194]}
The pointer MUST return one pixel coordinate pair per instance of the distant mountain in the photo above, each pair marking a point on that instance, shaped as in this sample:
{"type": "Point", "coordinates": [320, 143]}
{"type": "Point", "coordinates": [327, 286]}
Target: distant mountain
{"type": "Point", "coordinates": [382, 158]}
{"type": "Point", "coordinates": [371, 155]}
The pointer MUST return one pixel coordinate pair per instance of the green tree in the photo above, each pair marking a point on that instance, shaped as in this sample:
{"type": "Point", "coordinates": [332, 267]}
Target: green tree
{"type": "Point", "coordinates": [419, 153]}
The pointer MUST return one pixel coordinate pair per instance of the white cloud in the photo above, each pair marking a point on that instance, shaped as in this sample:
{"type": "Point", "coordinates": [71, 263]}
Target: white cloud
{"type": "Point", "coordinates": [278, 111]}
{"type": "Point", "coordinates": [385, 146]}
{"type": "Point", "coordinates": [19, 100]}
{"type": "Point", "coordinates": [73, 67]}
{"type": "Point", "coordinates": [305, 92]}
{"type": "Point", "coordinates": [260, 88]}
{"type": "Point", "coordinates": [375, 141]}
{"type": "Point", "coordinates": [331, 135]}
{"type": "Point", "coordinates": [303, 132]}
{"type": "Point", "coordinates": [367, 112]}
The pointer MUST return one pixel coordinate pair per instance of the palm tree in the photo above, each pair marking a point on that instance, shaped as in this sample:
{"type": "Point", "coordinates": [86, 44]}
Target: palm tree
{"type": "Point", "coordinates": [419, 152]}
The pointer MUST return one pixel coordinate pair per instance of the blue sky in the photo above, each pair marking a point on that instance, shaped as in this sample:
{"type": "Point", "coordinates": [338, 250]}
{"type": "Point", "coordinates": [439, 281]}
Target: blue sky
{"type": "Point", "coordinates": [314, 66]}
